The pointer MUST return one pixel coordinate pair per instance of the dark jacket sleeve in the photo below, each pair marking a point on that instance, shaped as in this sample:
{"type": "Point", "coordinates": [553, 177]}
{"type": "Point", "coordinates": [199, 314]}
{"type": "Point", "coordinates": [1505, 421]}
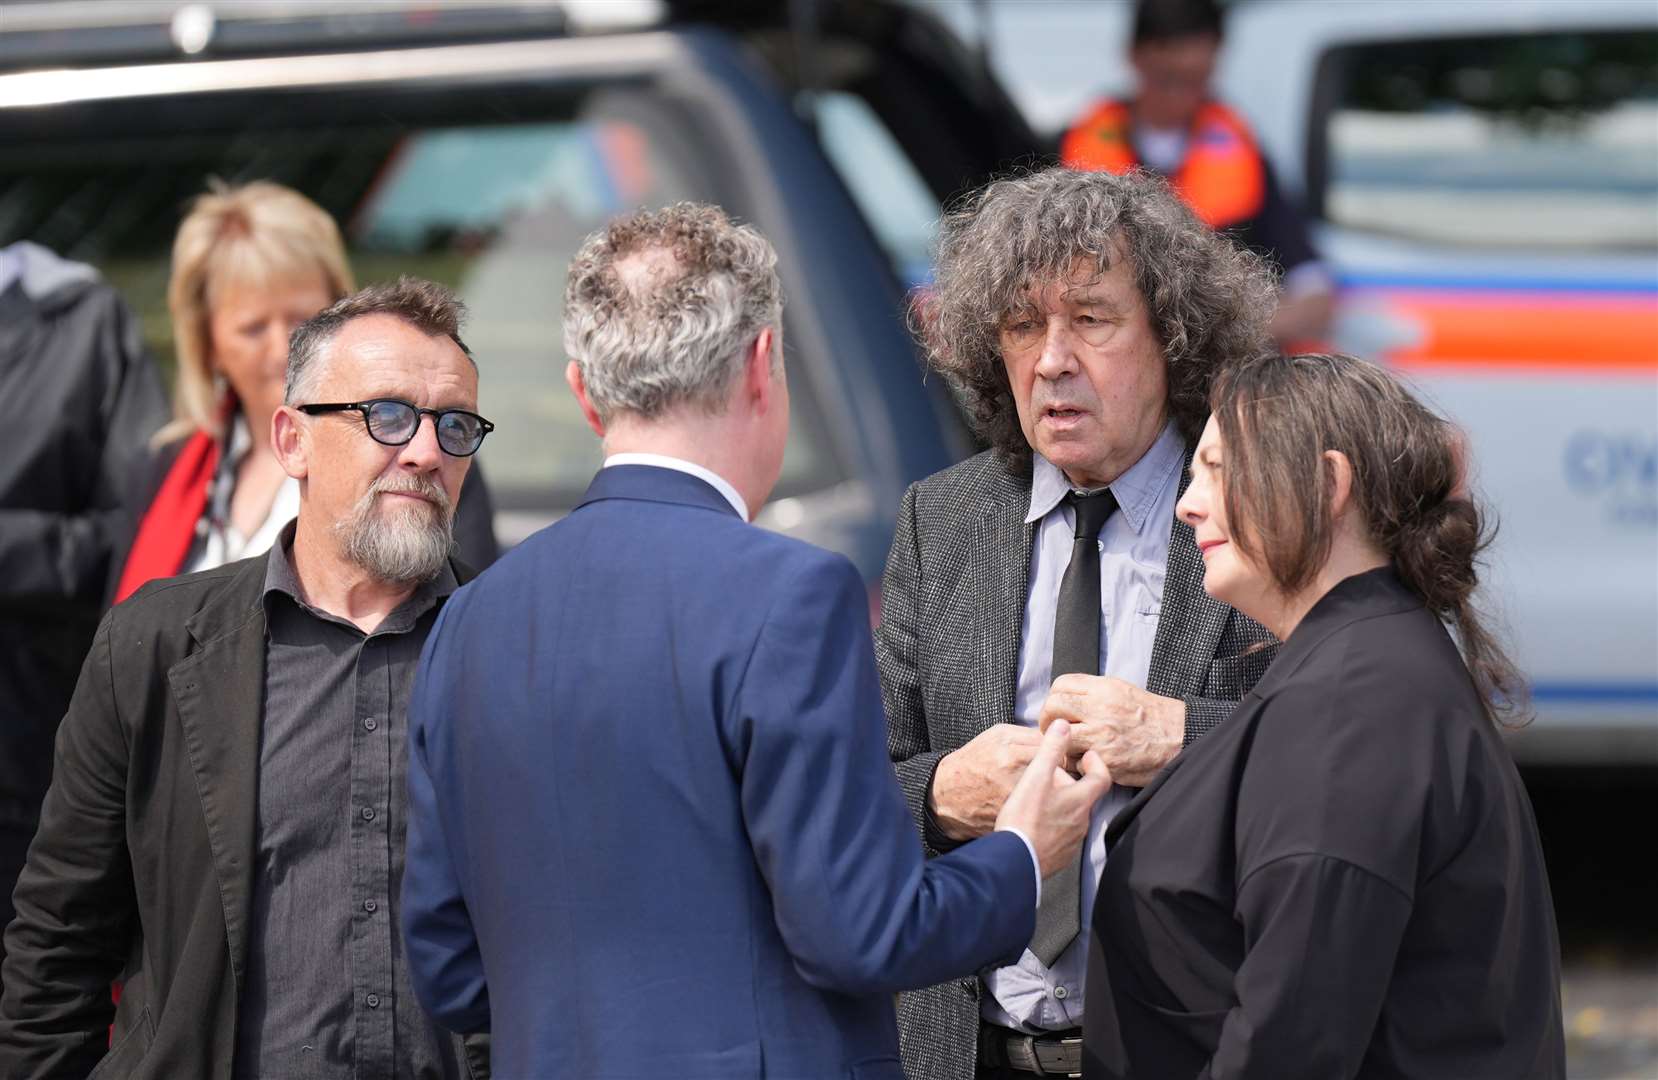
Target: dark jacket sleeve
{"type": "Point", "coordinates": [1204, 715]}
{"type": "Point", "coordinates": [75, 900]}
{"type": "Point", "coordinates": [858, 907]}
{"type": "Point", "coordinates": [1244, 653]}
{"type": "Point", "coordinates": [1322, 939]}
{"type": "Point", "coordinates": [54, 547]}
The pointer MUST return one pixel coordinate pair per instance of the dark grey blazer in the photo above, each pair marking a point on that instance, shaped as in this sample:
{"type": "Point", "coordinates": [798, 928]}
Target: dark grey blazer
{"type": "Point", "coordinates": [142, 866]}
{"type": "Point", "coordinates": [953, 600]}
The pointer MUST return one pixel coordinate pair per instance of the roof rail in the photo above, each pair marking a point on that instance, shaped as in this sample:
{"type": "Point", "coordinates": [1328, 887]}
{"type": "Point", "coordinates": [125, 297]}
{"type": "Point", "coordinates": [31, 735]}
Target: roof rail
{"type": "Point", "coordinates": [46, 32]}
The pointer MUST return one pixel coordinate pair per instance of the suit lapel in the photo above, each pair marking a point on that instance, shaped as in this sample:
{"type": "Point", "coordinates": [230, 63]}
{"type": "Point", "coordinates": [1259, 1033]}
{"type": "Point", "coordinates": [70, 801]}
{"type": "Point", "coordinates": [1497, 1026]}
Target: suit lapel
{"type": "Point", "coordinates": [999, 550]}
{"type": "Point", "coordinates": [1191, 623]}
{"type": "Point", "coordinates": [219, 690]}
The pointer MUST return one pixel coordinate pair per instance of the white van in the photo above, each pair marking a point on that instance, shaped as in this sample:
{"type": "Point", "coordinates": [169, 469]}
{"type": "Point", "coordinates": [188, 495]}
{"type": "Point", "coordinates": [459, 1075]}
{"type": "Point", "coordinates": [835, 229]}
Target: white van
{"type": "Point", "coordinates": [1483, 181]}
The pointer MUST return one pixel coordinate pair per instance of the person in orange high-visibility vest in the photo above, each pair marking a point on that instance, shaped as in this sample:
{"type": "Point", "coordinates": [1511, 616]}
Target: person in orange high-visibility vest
{"type": "Point", "coordinates": [1207, 152]}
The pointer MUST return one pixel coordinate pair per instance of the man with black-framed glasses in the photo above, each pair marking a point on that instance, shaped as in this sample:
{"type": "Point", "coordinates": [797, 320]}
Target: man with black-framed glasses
{"type": "Point", "coordinates": [224, 830]}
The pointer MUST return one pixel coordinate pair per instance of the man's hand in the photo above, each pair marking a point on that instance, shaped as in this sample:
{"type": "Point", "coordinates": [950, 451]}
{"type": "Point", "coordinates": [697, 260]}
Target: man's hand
{"type": "Point", "coordinates": [972, 782]}
{"type": "Point", "coordinates": [1050, 806]}
{"type": "Point", "coordinates": [1135, 732]}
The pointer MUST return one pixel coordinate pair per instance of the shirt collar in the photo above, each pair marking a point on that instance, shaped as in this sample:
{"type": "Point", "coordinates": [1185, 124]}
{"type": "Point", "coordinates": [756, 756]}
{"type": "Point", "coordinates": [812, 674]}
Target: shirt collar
{"type": "Point", "coordinates": [280, 578]}
{"type": "Point", "coordinates": [663, 461]}
{"type": "Point", "coordinates": [1136, 489]}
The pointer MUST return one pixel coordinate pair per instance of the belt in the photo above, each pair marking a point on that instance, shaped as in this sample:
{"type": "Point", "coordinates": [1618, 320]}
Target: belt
{"type": "Point", "coordinates": [1055, 1053]}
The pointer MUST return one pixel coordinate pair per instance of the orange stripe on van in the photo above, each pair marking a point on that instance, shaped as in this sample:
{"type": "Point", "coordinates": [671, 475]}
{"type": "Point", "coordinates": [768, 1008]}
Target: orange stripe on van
{"type": "Point", "coordinates": [1530, 331]}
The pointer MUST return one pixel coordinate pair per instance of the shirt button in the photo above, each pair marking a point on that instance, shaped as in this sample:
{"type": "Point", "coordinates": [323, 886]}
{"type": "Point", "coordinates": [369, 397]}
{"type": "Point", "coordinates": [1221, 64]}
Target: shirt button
{"type": "Point", "coordinates": [370, 906]}
{"type": "Point", "coordinates": [368, 813]}
{"type": "Point", "coordinates": [1061, 993]}
{"type": "Point", "coordinates": [373, 1001]}
{"type": "Point", "coordinates": [370, 723]}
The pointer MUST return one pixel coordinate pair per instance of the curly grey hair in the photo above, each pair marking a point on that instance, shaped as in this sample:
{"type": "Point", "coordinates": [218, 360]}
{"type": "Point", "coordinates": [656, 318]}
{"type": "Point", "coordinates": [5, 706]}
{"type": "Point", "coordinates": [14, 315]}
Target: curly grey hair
{"type": "Point", "coordinates": [668, 330]}
{"type": "Point", "coordinates": [1209, 300]}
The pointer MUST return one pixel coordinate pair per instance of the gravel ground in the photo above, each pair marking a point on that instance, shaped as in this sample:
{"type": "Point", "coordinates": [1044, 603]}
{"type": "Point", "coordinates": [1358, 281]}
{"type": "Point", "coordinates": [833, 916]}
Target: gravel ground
{"type": "Point", "coordinates": [1605, 883]}
{"type": "Point", "coordinates": [1611, 1020]}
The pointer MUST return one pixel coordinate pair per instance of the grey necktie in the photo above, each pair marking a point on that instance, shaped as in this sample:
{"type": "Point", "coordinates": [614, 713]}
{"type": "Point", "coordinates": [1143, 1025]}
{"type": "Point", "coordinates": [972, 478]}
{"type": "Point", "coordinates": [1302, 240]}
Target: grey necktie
{"type": "Point", "coordinates": [1076, 651]}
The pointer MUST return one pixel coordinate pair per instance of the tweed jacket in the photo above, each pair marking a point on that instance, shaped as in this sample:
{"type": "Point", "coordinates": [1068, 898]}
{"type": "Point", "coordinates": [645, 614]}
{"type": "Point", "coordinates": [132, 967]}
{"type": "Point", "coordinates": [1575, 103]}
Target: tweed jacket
{"type": "Point", "coordinates": [953, 601]}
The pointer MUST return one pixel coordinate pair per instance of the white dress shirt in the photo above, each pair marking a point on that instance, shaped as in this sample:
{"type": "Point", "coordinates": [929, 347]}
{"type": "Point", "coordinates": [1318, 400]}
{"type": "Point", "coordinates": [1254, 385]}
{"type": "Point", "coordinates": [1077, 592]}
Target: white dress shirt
{"type": "Point", "coordinates": [663, 461]}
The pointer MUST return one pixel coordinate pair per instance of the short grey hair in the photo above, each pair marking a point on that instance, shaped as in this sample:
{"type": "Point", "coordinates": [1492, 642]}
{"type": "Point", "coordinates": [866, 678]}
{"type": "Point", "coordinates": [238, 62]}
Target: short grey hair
{"type": "Point", "coordinates": [650, 342]}
{"type": "Point", "coordinates": [425, 305]}
{"type": "Point", "coordinates": [1209, 300]}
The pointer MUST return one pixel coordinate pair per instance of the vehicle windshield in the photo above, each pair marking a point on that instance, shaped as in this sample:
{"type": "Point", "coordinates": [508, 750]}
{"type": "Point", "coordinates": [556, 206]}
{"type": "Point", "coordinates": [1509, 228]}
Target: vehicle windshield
{"type": "Point", "coordinates": [1545, 140]}
{"type": "Point", "coordinates": [883, 181]}
{"type": "Point", "coordinates": [490, 197]}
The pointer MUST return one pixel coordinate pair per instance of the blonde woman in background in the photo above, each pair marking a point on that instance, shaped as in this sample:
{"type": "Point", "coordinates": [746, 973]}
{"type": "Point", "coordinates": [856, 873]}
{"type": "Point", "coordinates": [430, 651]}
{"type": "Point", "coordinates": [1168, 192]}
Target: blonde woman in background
{"type": "Point", "coordinates": [250, 263]}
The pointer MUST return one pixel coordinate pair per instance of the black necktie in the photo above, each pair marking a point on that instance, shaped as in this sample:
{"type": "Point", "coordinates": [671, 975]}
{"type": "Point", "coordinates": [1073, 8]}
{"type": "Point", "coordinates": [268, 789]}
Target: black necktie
{"type": "Point", "coordinates": [1076, 651]}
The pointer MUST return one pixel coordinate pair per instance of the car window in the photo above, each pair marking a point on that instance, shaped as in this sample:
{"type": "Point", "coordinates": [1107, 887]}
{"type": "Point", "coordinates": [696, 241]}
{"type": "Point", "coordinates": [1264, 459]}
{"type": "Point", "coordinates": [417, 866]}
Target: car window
{"type": "Point", "coordinates": [490, 196]}
{"type": "Point", "coordinates": [505, 208]}
{"type": "Point", "coordinates": [1515, 140]}
{"type": "Point", "coordinates": [882, 180]}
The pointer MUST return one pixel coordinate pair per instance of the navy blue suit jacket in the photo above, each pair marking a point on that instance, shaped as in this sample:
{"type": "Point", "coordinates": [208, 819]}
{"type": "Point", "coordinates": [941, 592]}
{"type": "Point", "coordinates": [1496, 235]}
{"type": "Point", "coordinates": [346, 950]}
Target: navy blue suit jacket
{"type": "Point", "coordinates": [654, 831]}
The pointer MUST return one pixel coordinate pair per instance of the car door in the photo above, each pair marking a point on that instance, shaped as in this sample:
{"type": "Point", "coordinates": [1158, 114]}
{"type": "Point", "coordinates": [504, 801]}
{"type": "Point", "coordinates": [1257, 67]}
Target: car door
{"type": "Point", "coordinates": [482, 166]}
{"type": "Point", "coordinates": [1489, 201]}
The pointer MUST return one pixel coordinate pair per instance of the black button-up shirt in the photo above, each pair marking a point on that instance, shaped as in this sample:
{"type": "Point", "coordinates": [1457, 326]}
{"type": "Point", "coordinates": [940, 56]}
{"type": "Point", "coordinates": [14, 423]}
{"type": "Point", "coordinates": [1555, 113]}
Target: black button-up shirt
{"type": "Point", "coordinates": [327, 993]}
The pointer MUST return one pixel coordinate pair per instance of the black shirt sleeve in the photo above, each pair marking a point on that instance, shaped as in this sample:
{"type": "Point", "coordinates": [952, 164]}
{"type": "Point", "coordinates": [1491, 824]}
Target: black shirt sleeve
{"type": "Point", "coordinates": [1322, 939]}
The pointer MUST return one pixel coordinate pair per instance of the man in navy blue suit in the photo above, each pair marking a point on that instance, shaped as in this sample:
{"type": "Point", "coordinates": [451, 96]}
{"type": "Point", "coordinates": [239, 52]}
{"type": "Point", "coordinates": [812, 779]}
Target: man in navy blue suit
{"type": "Point", "coordinates": [654, 830]}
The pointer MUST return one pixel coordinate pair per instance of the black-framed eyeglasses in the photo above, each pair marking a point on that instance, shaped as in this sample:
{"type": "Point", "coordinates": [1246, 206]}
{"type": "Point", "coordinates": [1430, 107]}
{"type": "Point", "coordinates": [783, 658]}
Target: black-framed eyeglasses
{"type": "Point", "coordinates": [394, 423]}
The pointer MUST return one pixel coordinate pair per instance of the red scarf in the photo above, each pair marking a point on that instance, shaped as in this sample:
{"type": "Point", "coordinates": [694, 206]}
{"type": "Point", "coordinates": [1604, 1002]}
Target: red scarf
{"type": "Point", "coordinates": [169, 524]}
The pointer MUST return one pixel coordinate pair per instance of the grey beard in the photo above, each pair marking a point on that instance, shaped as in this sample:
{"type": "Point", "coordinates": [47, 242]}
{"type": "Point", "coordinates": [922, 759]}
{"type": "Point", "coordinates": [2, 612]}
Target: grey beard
{"type": "Point", "coordinates": [399, 547]}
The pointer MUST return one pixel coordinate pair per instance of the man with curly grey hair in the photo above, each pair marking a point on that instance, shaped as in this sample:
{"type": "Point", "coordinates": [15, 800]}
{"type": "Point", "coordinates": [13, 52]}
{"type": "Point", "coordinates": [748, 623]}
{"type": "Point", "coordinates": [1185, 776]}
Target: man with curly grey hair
{"type": "Point", "coordinates": [713, 876]}
{"type": "Point", "coordinates": [1079, 316]}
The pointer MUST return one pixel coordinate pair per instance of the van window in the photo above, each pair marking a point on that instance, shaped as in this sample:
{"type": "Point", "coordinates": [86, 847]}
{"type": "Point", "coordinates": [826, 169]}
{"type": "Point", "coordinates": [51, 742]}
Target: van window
{"type": "Point", "coordinates": [1517, 140]}
{"type": "Point", "coordinates": [489, 196]}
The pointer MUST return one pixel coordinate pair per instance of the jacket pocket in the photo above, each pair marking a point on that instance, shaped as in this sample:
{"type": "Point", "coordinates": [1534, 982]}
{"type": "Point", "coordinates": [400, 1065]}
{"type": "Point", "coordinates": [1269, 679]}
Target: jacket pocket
{"type": "Point", "coordinates": [1231, 677]}
{"type": "Point", "coordinates": [123, 1058]}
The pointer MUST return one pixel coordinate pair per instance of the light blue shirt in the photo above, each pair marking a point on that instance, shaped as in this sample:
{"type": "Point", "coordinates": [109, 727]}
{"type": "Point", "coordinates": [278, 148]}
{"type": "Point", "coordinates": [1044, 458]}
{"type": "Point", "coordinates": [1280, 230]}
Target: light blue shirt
{"type": "Point", "coordinates": [1134, 551]}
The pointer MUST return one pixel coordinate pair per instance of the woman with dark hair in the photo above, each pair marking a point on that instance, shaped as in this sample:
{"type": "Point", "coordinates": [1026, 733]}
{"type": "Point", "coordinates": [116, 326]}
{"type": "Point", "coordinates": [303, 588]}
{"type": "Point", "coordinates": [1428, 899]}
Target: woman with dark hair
{"type": "Point", "coordinates": [1344, 879]}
